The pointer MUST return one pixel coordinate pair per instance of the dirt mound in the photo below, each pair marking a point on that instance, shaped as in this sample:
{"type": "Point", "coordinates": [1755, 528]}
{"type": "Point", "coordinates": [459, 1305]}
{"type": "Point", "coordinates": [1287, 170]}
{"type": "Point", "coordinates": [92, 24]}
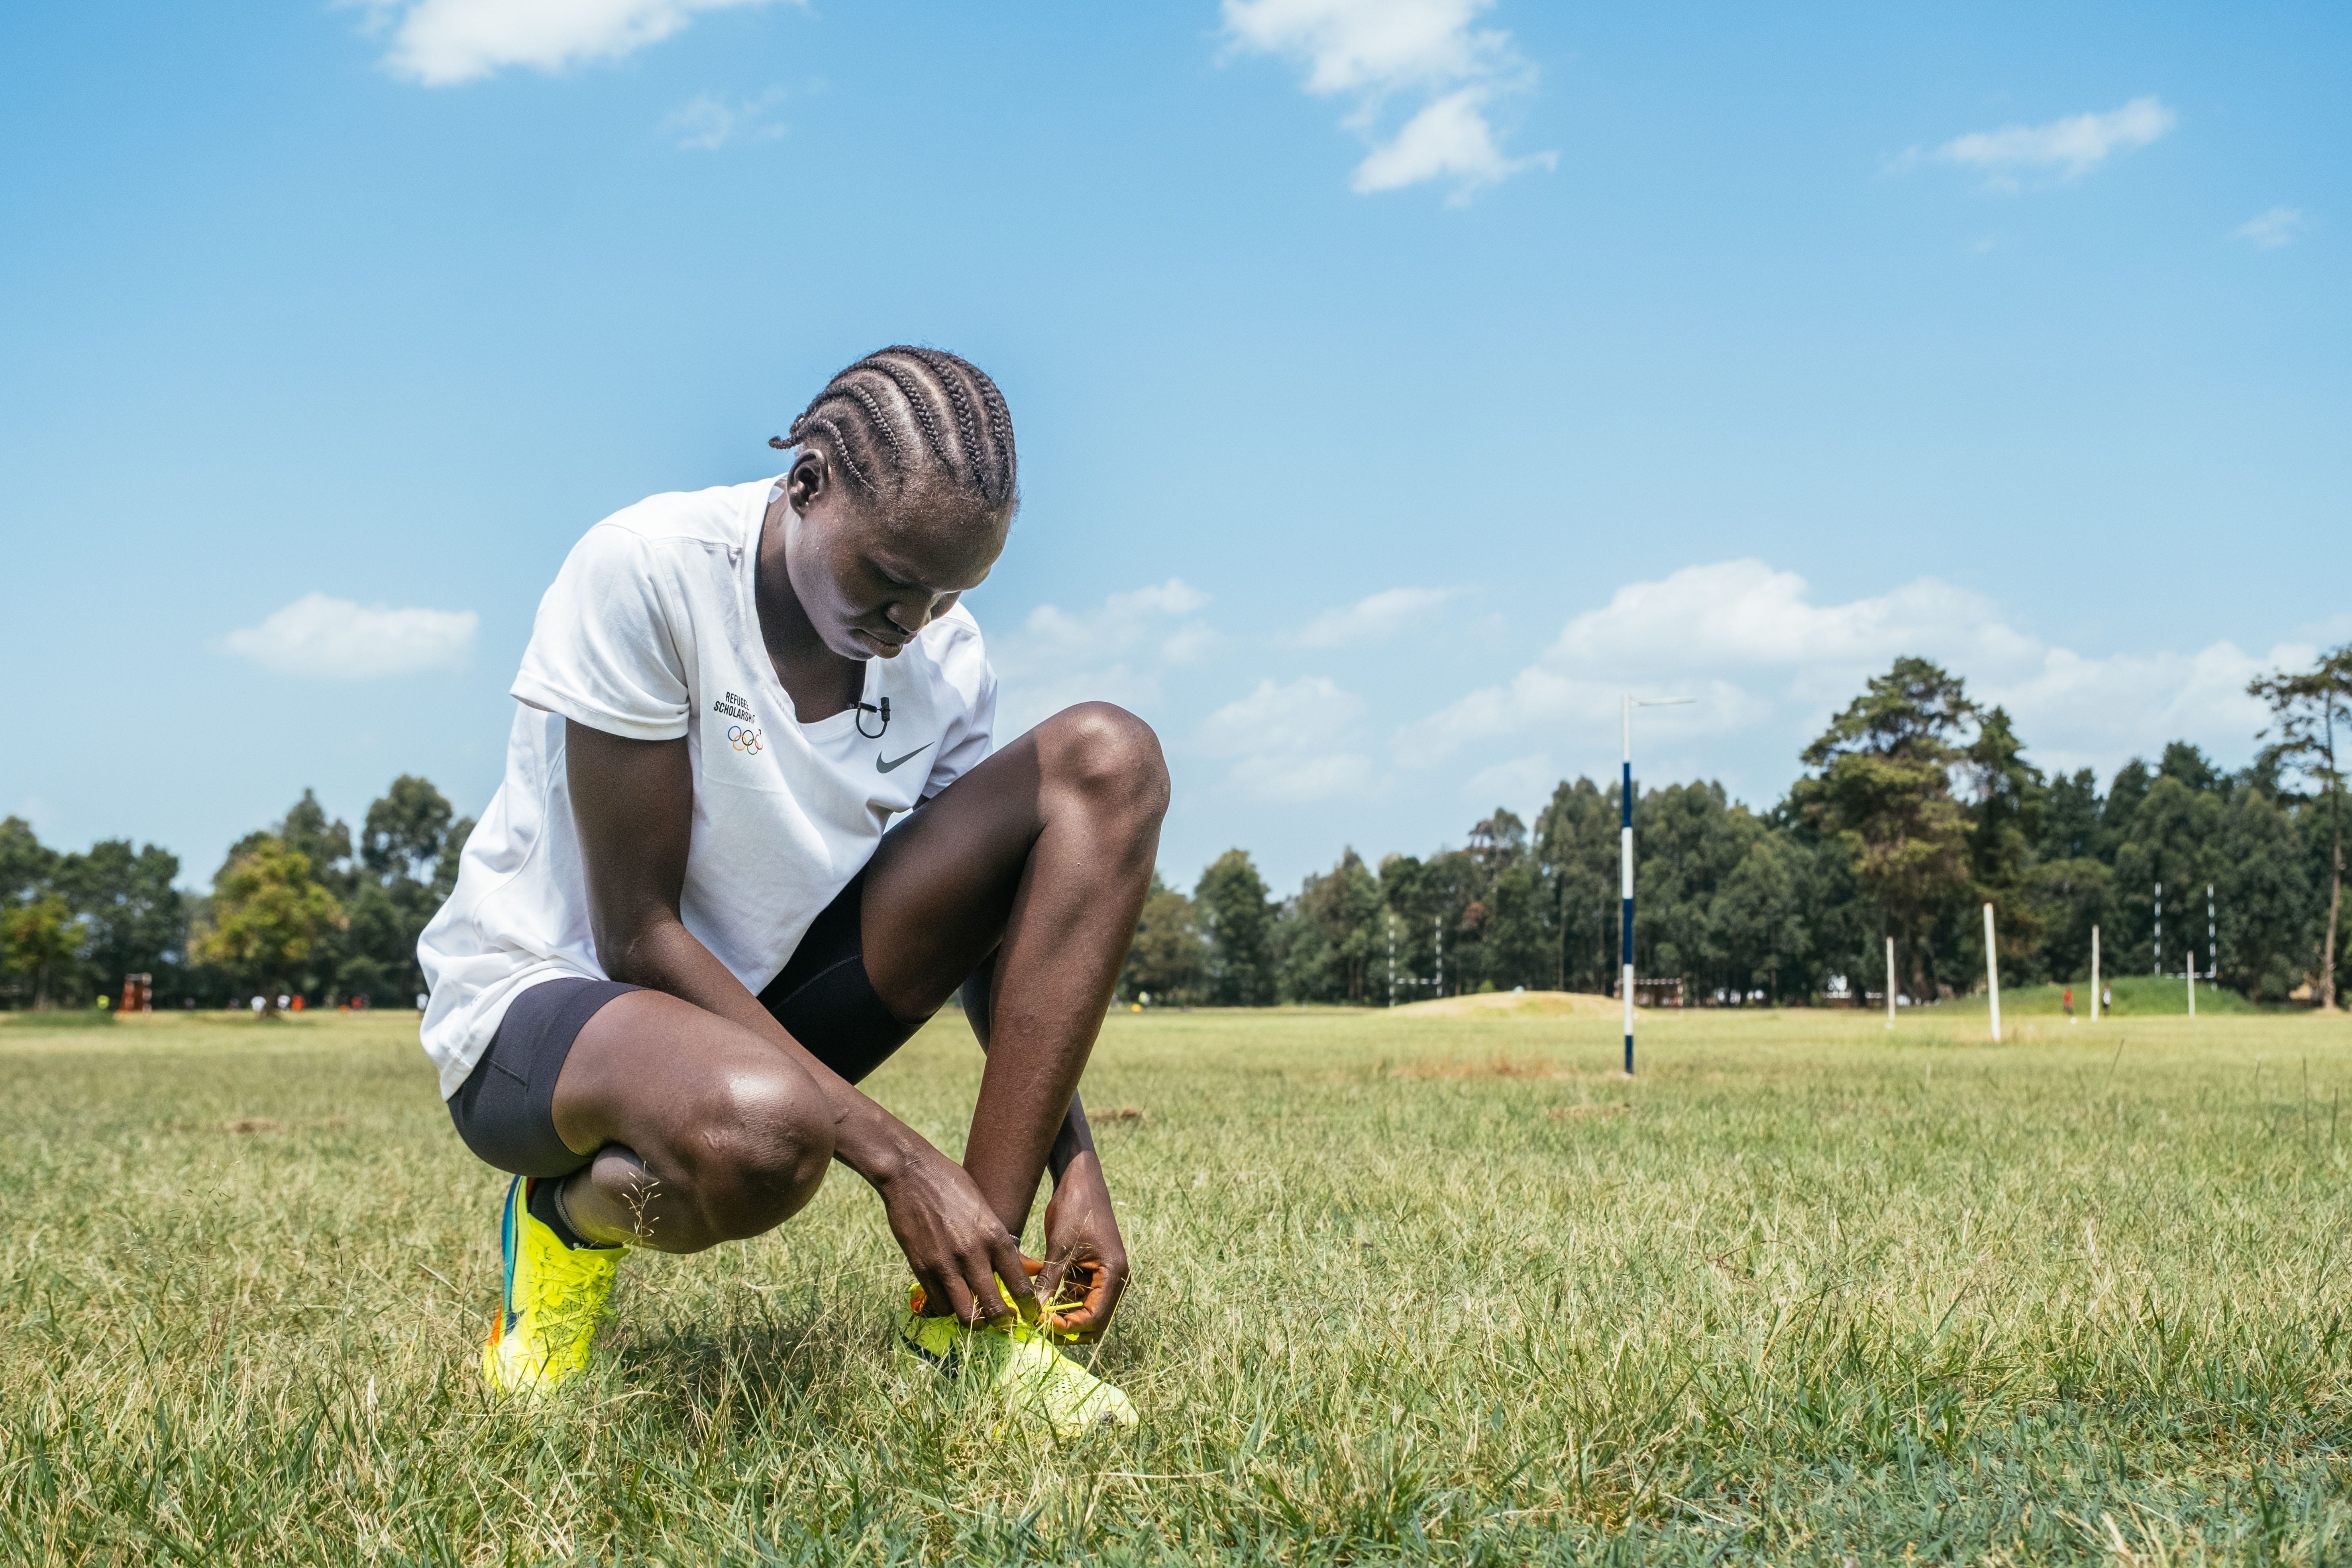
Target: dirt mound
{"type": "Point", "coordinates": [1511, 1005]}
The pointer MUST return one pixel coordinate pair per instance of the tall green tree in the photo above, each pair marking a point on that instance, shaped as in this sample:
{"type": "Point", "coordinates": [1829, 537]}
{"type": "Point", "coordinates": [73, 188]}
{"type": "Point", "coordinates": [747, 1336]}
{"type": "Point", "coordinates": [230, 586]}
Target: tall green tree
{"type": "Point", "coordinates": [2124, 793]}
{"type": "Point", "coordinates": [2268, 916]}
{"type": "Point", "coordinates": [1412, 918]}
{"type": "Point", "coordinates": [404, 831]}
{"type": "Point", "coordinates": [1518, 945]}
{"type": "Point", "coordinates": [136, 918]}
{"type": "Point", "coordinates": [1449, 895]}
{"type": "Point", "coordinates": [266, 916]}
{"type": "Point", "coordinates": [1882, 787]}
{"type": "Point", "coordinates": [1230, 901]}
{"type": "Point", "coordinates": [41, 940]}
{"type": "Point", "coordinates": [1688, 839]}
{"type": "Point", "coordinates": [388, 886]}
{"type": "Point", "coordinates": [1755, 921]}
{"type": "Point", "coordinates": [25, 865]}
{"type": "Point", "coordinates": [1331, 937]}
{"type": "Point", "coordinates": [2306, 708]}
{"type": "Point", "coordinates": [408, 864]}
{"type": "Point", "coordinates": [2069, 817]}
{"type": "Point", "coordinates": [2068, 898]}
{"type": "Point", "coordinates": [2004, 824]}
{"type": "Point", "coordinates": [1575, 841]}
{"type": "Point", "coordinates": [324, 841]}
{"type": "Point", "coordinates": [2170, 853]}
{"type": "Point", "coordinates": [1168, 957]}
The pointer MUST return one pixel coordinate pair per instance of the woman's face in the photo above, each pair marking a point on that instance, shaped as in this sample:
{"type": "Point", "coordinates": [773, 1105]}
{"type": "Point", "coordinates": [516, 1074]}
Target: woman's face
{"type": "Point", "coordinates": [870, 575]}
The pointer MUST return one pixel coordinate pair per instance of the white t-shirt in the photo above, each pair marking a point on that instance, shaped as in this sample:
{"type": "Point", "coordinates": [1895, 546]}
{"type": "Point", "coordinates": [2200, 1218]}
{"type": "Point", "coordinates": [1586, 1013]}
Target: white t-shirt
{"type": "Point", "coordinates": [650, 632]}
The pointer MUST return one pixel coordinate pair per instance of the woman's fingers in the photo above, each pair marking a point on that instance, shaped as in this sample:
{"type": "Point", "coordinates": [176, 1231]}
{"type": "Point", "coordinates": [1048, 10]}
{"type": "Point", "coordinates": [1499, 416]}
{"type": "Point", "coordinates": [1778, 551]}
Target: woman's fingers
{"type": "Point", "coordinates": [1051, 1278]}
{"type": "Point", "coordinates": [987, 1306]}
{"type": "Point", "coordinates": [982, 1276]}
{"type": "Point", "coordinates": [1011, 1272]}
{"type": "Point", "coordinates": [1099, 1286]}
{"type": "Point", "coordinates": [950, 1293]}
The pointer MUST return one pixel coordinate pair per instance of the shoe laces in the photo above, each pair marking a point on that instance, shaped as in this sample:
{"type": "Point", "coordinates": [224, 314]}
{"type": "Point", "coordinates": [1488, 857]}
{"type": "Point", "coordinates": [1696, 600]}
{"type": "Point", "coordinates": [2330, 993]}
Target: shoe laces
{"type": "Point", "coordinates": [572, 1286]}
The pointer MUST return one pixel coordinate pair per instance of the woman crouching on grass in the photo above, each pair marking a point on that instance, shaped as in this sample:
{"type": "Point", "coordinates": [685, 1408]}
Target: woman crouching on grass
{"type": "Point", "coordinates": [680, 937]}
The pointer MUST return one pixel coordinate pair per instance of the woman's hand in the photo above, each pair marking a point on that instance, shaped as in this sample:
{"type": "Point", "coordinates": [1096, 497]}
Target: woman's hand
{"type": "Point", "coordinates": [954, 1242]}
{"type": "Point", "coordinates": [1085, 1259]}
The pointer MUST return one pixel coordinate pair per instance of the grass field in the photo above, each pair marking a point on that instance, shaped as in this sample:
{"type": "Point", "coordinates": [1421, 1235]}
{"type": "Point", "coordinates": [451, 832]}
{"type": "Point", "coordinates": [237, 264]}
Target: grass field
{"type": "Point", "coordinates": [1410, 1288]}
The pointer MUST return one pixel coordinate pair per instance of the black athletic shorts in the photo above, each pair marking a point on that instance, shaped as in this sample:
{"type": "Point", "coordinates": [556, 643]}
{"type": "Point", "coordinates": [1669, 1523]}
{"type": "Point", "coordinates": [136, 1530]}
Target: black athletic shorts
{"type": "Point", "coordinates": [505, 1109]}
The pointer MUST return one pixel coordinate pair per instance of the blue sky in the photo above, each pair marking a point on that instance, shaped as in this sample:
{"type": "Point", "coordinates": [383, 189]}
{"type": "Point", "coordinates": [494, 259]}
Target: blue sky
{"type": "Point", "coordinates": [1397, 381]}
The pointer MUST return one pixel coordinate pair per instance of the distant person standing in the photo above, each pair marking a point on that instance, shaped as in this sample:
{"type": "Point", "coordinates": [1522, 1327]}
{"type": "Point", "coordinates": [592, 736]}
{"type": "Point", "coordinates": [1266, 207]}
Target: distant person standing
{"type": "Point", "coordinates": [2070, 1003]}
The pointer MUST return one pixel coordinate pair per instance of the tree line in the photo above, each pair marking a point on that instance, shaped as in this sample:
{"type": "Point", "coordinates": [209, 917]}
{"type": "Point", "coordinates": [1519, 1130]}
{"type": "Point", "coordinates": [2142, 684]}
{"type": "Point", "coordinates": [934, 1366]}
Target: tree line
{"type": "Point", "coordinates": [1917, 806]}
{"type": "Point", "coordinates": [298, 908]}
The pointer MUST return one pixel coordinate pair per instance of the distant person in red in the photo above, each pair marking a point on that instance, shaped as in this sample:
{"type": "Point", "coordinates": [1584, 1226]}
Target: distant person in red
{"type": "Point", "coordinates": [2070, 1000]}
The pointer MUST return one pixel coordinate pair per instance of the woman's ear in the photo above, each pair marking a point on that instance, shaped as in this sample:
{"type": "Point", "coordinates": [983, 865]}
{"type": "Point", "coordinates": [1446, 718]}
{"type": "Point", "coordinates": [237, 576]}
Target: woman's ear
{"type": "Point", "coordinates": [809, 480]}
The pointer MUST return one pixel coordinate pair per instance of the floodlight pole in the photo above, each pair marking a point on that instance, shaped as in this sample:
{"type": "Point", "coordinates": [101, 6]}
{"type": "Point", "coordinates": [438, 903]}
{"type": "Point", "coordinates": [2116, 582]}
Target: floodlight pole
{"type": "Point", "coordinates": [1625, 864]}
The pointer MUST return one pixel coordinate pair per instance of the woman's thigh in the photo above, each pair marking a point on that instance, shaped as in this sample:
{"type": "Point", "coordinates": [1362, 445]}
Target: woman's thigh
{"type": "Point", "coordinates": [941, 887]}
{"type": "Point", "coordinates": [944, 885]}
{"type": "Point", "coordinates": [683, 1089]}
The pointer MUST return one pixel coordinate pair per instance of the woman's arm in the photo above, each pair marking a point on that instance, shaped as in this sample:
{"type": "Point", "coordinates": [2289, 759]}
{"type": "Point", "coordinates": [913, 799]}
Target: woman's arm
{"type": "Point", "coordinates": [1083, 1246]}
{"type": "Point", "coordinates": [633, 802]}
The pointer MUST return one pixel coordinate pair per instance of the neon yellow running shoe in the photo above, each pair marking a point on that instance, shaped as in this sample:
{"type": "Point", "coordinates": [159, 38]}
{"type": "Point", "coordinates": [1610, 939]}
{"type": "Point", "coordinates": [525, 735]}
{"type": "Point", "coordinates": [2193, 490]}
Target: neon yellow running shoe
{"type": "Point", "coordinates": [553, 1301]}
{"type": "Point", "coordinates": [1018, 1359]}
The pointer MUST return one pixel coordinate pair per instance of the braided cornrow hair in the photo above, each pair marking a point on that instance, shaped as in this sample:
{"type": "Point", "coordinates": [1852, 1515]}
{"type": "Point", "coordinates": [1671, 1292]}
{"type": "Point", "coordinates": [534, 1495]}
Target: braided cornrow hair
{"type": "Point", "coordinates": [906, 416]}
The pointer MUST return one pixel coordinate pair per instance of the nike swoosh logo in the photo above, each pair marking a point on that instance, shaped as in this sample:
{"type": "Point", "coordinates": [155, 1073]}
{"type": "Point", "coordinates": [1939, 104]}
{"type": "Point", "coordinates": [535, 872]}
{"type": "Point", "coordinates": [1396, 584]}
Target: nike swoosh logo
{"type": "Point", "coordinates": [882, 767]}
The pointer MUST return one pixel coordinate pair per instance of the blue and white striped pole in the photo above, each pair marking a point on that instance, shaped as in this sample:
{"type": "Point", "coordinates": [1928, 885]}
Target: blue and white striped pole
{"type": "Point", "coordinates": [1626, 884]}
{"type": "Point", "coordinates": [1625, 864]}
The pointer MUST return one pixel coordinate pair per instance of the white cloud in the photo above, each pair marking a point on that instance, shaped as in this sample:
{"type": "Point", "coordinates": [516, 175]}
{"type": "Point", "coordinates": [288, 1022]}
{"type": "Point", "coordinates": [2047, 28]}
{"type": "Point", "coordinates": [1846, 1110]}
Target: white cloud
{"type": "Point", "coordinates": [1372, 51]}
{"type": "Point", "coordinates": [1291, 741]}
{"type": "Point", "coordinates": [1756, 651]}
{"type": "Point", "coordinates": [2071, 147]}
{"type": "Point", "coordinates": [1522, 782]}
{"type": "Point", "coordinates": [1449, 140]}
{"type": "Point", "coordinates": [1189, 644]}
{"type": "Point", "coordinates": [706, 124]}
{"type": "Point", "coordinates": [441, 42]}
{"type": "Point", "coordinates": [1113, 653]}
{"type": "Point", "coordinates": [2274, 228]}
{"type": "Point", "coordinates": [1372, 45]}
{"type": "Point", "coordinates": [335, 639]}
{"type": "Point", "coordinates": [1284, 780]}
{"type": "Point", "coordinates": [1053, 636]}
{"type": "Point", "coordinates": [1373, 618]}
{"type": "Point", "coordinates": [1309, 713]}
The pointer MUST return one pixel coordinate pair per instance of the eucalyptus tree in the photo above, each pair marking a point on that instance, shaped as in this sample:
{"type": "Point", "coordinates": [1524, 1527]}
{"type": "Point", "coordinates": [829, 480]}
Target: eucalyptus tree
{"type": "Point", "coordinates": [2305, 709]}
{"type": "Point", "coordinates": [1880, 787]}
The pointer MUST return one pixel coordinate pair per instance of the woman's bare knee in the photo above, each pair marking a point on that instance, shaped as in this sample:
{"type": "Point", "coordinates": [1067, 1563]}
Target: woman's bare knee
{"type": "Point", "coordinates": [760, 1142]}
{"type": "Point", "coordinates": [1108, 756]}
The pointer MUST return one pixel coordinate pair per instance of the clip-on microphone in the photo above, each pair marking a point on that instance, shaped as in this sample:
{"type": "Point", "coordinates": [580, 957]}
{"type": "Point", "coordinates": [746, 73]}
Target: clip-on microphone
{"type": "Point", "coordinates": [866, 708]}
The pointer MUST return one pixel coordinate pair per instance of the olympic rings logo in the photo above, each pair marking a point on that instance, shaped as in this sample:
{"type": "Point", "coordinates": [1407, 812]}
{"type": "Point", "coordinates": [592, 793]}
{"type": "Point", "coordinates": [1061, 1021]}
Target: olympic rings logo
{"type": "Point", "coordinates": [744, 738]}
